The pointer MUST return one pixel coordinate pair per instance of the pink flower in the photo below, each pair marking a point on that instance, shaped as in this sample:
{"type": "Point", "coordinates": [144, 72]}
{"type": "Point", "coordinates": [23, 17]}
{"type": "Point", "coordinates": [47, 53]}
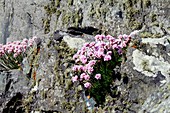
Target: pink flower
{"type": "Point", "coordinates": [31, 41]}
{"type": "Point", "coordinates": [15, 55]}
{"type": "Point", "coordinates": [97, 37]}
{"type": "Point", "coordinates": [90, 70]}
{"type": "Point", "coordinates": [84, 68]}
{"type": "Point", "coordinates": [25, 40]}
{"type": "Point", "coordinates": [75, 56]}
{"type": "Point", "coordinates": [83, 59]}
{"type": "Point", "coordinates": [120, 51]}
{"type": "Point", "coordinates": [87, 85]}
{"type": "Point", "coordinates": [112, 39]}
{"type": "Point", "coordinates": [77, 60]}
{"type": "Point", "coordinates": [9, 51]}
{"type": "Point", "coordinates": [108, 37]}
{"type": "Point", "coordinates": [107, 58]}
{"type": "Point", "coordinates": [86, 77]}
{"type": "Point", "coordinates": [25, 46]}
{"type": "Point", "coordinates": [90, 53]}
{"type": "Point", "coordinates": [75, 68]}
{"type": "Point", "coordinates": [80, 68]}
{"type": "Point", "coordinates": [75, 78]}
{"type": "Point", "coordinates": [82, 76]}
{"type": "Point", "coordinates": [123, 44]}
{"type": "Point", "coordinates": [101, 37]}
{"type": "Point", "coordinates": [92, 62]}
{"type": "Point", "coordinates": [120, 37]}
{"type": "Point", "coordinates": [86, 44]}
{"type": "Point", "coordinates": [98, 76]}
{"type": "Point", "coordinates": [83, 49]}
{"type": "Point", "coordinates": [23, 43]}
{"type": "Point", "coordinates": [30, 44]}
{"type": "Point", "coordinates": [78, 52]}
{"type": "Point", "coordinates": [109, 53]}
{"type": "Point", "coordinates": [114, 46]}
{"type": "Point", "coordinates": [92, 44]}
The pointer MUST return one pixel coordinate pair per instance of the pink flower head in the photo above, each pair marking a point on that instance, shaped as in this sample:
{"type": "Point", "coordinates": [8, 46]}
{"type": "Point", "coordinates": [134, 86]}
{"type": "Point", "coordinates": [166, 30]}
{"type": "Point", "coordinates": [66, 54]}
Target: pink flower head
{"type": "Point", "coordinates": [86, 77]}
{"type": "Point", "coordinates": [83, 59]}
{"type": "Point", "coordinates": [98, 76]}
{"type": "Point", "coordinates": [125, 37]}
{"type": "Point", "coordinates": [30, 44]}
{"type": "Point", "coordinates": [15, 55]}
{"type": "Point", "coordinates": [101, 37]}
{"type": "Point", "coordinates": [92, 62]}
{"type": "Point", "coordinates": [75, 56]}
{"type": "Point", "coordinates": [2, 51]}
{"type": "Point", "coordinates": [112, 39]}
{"type": "Point", "coordinates": [108, 37]}
{"type": "Point", "coordinates": [90, 53]}
{"type": "Point", "coordinates": [18, 42]}
{"type": "Point", "coordinates": [84, 68]}
{"type": "Point", "coordinates": [80, 68]}
{"type": "Point", "coordinates": [92, 44]}
{"type": "Point", "coordinates": [25, 46]}
{"type": "Point", "coordinates": [82, 76]}
{"type": "Point", "coordinates": [75, 78]}
{"type": "Point", "coordinates": [23, 43]}
{"type": "Point", "coordinates": [99, 53]}
{"type": "Point", "coordinates": [9, 51]}
{"type": "Point", "coordinates": [120, 51]}
{"type": "Point", "coordinates": [83, 49]}
{"type": "Point", "coordinates": [120, 37]}
{"type": "Point", "coordinates": [75, 68]}
{"type": "Point", "coordinates": [86, 44]}
{"type": "Point", "coordinates": [31, 41]}
{"type": "Point", "coordinates": [123, 44]}
{"type": "Point", "coordinates": [114, 46]}
{"type": "Point", "coordinates": [78, 52]}
{"type": "Point", "coordinates": [100, 44]}
{"type": "Point", "coordinates": [97, 37]}
{"type": "Point", "coordinates": [90, 70]}
{"type": "Point", "coordinates": [109, 53]}
{"type": "Point", "coordinates": [107, 58]}
{"type": "Point", "coordinates": [118, 41]}
{"type": "Point", "coordinates": [77, 60]}
{"type": "Point", "coordinates": [25, 40]}
{"type": "Point", "coordinates": [87, 85]}
{"type": "Point", "coordinates": [19, 51]}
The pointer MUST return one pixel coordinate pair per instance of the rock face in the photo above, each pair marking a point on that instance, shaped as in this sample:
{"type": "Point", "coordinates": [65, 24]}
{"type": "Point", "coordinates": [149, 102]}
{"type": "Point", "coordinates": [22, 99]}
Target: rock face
{"type": "Point", "coordinates": [13, 87]}
{"type": "Point", "coordinates": [44, 83]}
{"type": "Point", "coordinates": [23, 19]}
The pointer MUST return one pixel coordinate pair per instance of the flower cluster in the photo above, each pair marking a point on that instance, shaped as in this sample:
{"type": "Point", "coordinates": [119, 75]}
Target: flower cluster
{"type": "Point", "coordinates": [90, 53]}
{"type": "Point", "coordinates": [95, 61]}
{"type": "Point", "coordinates": [12, 53]}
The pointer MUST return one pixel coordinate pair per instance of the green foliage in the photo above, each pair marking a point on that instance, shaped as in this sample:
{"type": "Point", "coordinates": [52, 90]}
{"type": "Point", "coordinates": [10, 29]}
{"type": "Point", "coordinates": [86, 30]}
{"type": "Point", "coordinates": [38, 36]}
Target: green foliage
{"type": "Point", "coordinates": [101, 87]}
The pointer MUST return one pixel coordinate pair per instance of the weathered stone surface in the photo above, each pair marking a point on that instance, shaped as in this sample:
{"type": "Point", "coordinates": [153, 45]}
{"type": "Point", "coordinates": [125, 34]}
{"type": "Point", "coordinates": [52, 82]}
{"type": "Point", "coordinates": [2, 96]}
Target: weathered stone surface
{"type": "Point", "coordinates": [21, 19]}
{"type": "Point", "coordinates": [137, 89]}
{"type": "Point", "coordinates": [159, 101]}
{"type": "Point", "coordinates": [13, 86]}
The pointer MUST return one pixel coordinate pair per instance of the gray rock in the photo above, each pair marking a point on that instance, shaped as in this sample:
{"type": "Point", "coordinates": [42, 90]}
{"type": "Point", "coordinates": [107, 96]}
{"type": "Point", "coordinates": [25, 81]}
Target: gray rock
{"type": "Point", "coordinates": [158, 101]}
{"type": "Point", "coordinates": [13, 87]}
{"type": "Point", "coordinates": [21, 19]}
{"type": "Point", "coordinates": [81, 20]}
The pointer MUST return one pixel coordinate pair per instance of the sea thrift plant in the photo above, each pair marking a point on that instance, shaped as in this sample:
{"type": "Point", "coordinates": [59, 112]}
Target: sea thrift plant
{"type": "Point", "coordinates": [12, 53]}
{"type": "Point", "coordinates": [95, 61]}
